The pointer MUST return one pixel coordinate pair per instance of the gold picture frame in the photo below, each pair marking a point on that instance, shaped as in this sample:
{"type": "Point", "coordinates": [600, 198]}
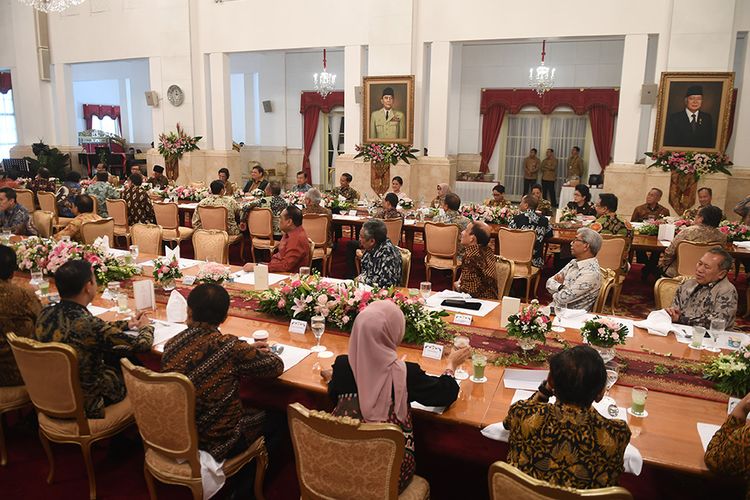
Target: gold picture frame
{"type": "Point", "coordinates": [676, 128]}
{"type": "Point", "coordinates": [398, 126]}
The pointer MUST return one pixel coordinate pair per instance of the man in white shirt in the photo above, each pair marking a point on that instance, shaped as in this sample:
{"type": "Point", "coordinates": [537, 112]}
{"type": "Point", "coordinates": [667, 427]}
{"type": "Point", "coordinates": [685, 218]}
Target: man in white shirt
{"type": "Point", "coordinates": [577, 284]}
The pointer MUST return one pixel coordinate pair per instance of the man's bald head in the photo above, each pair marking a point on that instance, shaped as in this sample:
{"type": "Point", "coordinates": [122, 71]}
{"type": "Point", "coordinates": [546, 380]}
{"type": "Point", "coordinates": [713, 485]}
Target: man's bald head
{"type": "Point", "coordinates": [476, 233]}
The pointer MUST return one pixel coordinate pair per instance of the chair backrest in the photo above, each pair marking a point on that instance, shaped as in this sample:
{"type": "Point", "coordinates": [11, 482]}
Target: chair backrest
{"type": "Point", "coordinates": [394, 227]}
{"type": "Point", "coordinates": [504, 269]}
{"type": "Point", "coordinates": [211, 245]}
{"type": "Point", "coordinates": [167, 214]}
{"type": "Point", "coordinates": [441, 240]}
{"type": "Point", "coordinates": [118, 210]}
{"type": "Point", "coordinates": [608, 281]}
{"type": "Point", "coordinates": [665, 290]}
{"type": "Point", "coordinates": [507, 482]}
{"type": "Point", "coordinates": [405, 266]}
{"type": "Point", "coordinates": [47, 201]}
{"type": "Point", "coordinates": [164, 409]}
{"type": "Point", "coordinates": [688, 255]}
{"type": "Point", "coordinates": [517, 244]}
{"type": "Point", "coordinates": [50, 374]}
{"type": "Point", "coordinates": [213, 217]}
{"type": "Point", "coordinates": [96, 204]}
{"type": "Point", "coordinates": [260, 223]}
{"type": "Point", "coordinates": [25, 197]}
{"type": "Point", "coordinates": [92, 230]}
{"type": "Point", "coordinates": [147, 237]}
{"type": "Point", "coordinates": [611, 253]}
{"type": "Point", "coordinates": [312, 251]}
{"type": "Point", "coordinates": [363, 460]}
{"type": "Point", "coordinates": [316, 227]}
{"type": "Point", "coordinates": [43, 221]}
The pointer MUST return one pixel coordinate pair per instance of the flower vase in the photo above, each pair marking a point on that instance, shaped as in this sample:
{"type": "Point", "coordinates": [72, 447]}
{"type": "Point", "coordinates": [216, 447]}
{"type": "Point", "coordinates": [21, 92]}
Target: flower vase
{"type": "Point", "coordinates": [172, 164]}
{"type": "Point", "coordinates": [526, 344]}
{"type": "Point", "coordinates": [380, 177]}
{"type": "Point", "coordinates": [682, 191]}
{"type": "Point", "coordinates": [168, 284]}
{"type": "Point", "coordinates": [607, 353]}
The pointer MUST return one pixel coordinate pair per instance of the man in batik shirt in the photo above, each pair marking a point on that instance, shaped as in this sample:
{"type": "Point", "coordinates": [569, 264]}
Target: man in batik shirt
{"type": "Point", "coordinates": [577, 284]}
{"type": "Point", "coordinates": [381, 262]}
{"type": "Point", "coordinates": [84, 212]}
{"type": "Point", "coordinates": [345, 190]}
{"type": "Point", "coordinates": [102, 190]}
{"type": "Point", "coordinates": [529, 219]}
{"type": "Point", "coordinates": [608, 222]}
{"type": "Point", "coordinates": [710, 295]}
{"type": "Point", "coordinates": [159, 180]}
{"type": "Point", "coordinates": [140, 209]}
{"type": "Point", "coordinates": [99, 344]}
{"type": "Point", "coordinates": [705, 230]}
{"type": "Point", "coordinates": [13, 215]}
{"type": "Point", "coordinates": [479, 266]}
{"type": "Point", "coordinates": [217, 199]}
{"type": "Point", "coordinates": [389, 209]}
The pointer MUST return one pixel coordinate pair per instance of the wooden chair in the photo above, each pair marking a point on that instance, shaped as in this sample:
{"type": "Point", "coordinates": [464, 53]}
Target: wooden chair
{"type": "Point", "coordinates": [25, 197]}
{"type": "Point", "coordinates": [216, 218]}
{"type": "Point", "coordinates": [362, 460]}
{"type": "Point", "coordinates": [48, 203]}
{"type": "Point", "coordinates": [118, 211]}
{"type": "Point", "coordinates": [316, 227]}
{"type": "Point", "coordinates": [211, 245]}
{"type": "Point", "coordinates": [507, 482]}
{"type": "Point", "coordinates": [312, 251]}
{"type": "Point", "coordinates": [689, 253]}
{"type": "Point", "coordinates": [504, 269]}
{"type": "Point", "coordinates": [518, 245]}
{"type": "Point", "coordinates": [198, 184]}
{"type": "Point", "coordinates": [11, 398]}
{"type": "Point", "coordinates": [393, 228]}
{"type": "Point", "coordinates": [50, 371]}
{"type": "Point", "coordinates": [92, 230]}
{"type": "Point", "coordinates": [148, 237]}
{"type": "Point", "coordinates": [168, 217]}
{"type": "Point", "coordinates": [405, 266]}
{"type": "Point", "coordinates": [608, 282]}
{"type": "Point", "coordinates": [43, 222]}
{"type": "Point", "coordinates": [665, 290]}
{"type": "Point", "coordinates": [95, 200]}
{"type": "Point", "coordinates": [441, 246]}
{"type": "Point", "coordinates": [260, 226]}
{"type": "Point", "coordinates": [613, 255]}
{"type": "Point", "coordinates": [164, 408]}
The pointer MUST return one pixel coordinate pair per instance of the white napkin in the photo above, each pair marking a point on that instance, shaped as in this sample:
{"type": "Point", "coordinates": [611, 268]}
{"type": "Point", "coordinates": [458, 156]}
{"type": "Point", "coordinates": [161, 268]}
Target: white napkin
{"type": "Point", "coordinates": [660, 323]}
{"type": "Point", "coordinates": [102, 242]}
{"type": "Point", "coordinates": [632, 459]}
{"type": "Point", "coordinates": [170, 254]}
{"type": "Point", "coordinates": [742, 244]}
{"type": "Point", "coordinates": [176, 308]}
{"type": "Point", "coordinates": [212, 474]}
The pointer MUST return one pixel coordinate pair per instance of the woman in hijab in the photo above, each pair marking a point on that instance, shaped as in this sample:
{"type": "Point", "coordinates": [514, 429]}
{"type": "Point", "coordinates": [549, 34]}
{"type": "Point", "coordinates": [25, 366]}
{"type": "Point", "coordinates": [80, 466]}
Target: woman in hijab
{"type": "Point", "coordinates": [373, 385]}
{"type": "Point", "coordinates": [442, 189]}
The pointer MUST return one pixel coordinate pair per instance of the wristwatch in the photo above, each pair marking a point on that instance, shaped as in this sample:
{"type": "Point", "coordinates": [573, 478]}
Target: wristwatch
{"type": "Point", "coordinates": [449, 372]}
{"type": "Point", "coordinates": [544, 390]}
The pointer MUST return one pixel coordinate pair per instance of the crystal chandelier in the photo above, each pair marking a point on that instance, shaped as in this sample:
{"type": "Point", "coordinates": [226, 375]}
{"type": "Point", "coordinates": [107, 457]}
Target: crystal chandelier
{"type": "Point", "coordinates": [542, 78]}
{"type": "Point", "coordinates": [52, 5]}
{"type": "Point", "coordinates": [324, 81]}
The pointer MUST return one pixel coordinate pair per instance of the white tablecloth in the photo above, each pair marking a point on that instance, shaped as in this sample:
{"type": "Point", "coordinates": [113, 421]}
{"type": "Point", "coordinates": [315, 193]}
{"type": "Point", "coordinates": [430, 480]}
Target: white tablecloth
{"type": "Point", "coordinates": [473, 192]}
{"type": "Point", "coordinates": [566, 195]}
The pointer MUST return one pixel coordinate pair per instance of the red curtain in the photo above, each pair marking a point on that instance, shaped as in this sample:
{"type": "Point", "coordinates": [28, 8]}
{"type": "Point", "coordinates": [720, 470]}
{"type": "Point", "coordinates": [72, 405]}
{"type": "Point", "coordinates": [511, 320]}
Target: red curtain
{"type": "Point", "coordinates": [493, 119]}
{"type": "Point", "coordinates": [100, 111]}
{"type": "Point", "coordinates": [5, 83]}
{"type": "Point", "coordinates": [602, 130]}
{"type": "Point", "coordinates": [311, 104]}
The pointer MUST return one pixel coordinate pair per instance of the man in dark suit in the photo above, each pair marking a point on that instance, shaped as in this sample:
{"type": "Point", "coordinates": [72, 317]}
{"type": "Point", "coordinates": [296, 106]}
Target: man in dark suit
{"type": "Point", "coordinates": [691, 127]}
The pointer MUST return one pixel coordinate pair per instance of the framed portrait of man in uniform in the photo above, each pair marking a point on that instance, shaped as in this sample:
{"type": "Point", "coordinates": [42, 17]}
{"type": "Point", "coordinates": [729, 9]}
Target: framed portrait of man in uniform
{"type": "Point", "coordinates": [693, 112]}
{"type": "Point", "coordinates": [388, 109]}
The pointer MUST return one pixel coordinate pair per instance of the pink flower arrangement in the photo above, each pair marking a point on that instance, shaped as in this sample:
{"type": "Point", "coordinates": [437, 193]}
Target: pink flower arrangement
{"type": "Point", "coordinates": [604, 332]}
{"type": "Point", "coordinates": [691, 163]}
{"type": "Point", "coordinates": [174, 145]}
{"type": "Point", "coordinates": [166, 270]}
{"type": "Point", "coordinates": [212, 272]}
{"type": "Point", "coordinates": [735, 231]}
{"type": "Point", "coordinates": [530, 323]}
{"type": "Point", "coordinates": [386, 153]}
{"type": "Point", "coordinates": [490, 215]}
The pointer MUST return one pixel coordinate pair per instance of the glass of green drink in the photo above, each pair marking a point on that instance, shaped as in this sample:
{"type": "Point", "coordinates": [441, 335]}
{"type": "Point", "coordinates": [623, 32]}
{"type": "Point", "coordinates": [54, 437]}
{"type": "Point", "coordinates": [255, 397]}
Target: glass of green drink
{"type": "Point", "coordinates": [638, 406]}
{"type": "Point", "coordinates": [478, 362]}
{"type": "Point", "coordinates": [44, 288]}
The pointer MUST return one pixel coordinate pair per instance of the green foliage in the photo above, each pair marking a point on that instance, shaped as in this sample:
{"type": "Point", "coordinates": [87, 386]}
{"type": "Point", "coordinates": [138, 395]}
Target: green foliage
{"type": "Point", "coordinates": [52, 159]}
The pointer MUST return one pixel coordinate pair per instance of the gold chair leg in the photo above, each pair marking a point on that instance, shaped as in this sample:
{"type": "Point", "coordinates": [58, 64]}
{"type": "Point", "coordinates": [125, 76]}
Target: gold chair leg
{"type": "Point", "coordinates": [427, 272]}
{"type": "Point", "coordinates": [196, 490]}
{"type": "Point", "coordinates": [50, 457]}
{"type": "Point", "coordinates": [528, 288]}
{"type": "Point", "coordinates": [86, 450]}
{"type": "Point", "coordinates": [3, 451]}
{"type": "Point", "coordinates": [536, 284]}
{"type": "Point", "coordinates": [149, 482]}
{"type": "Point", "coordinates": [260, 473]}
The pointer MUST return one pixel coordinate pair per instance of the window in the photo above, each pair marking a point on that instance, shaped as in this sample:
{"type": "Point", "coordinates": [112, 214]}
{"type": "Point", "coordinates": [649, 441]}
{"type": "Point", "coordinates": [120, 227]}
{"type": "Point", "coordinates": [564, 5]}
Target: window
{"type": "Point", "coordinates": [524, 133]}
{"type": "Point", "coordinates": [8, 133]}
{"type": "Point", "coordinates": [105, 124]}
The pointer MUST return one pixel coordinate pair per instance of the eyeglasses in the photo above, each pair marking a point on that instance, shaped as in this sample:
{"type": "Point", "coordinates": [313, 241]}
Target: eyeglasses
{"type": "Point", "coordinates": [579, 240]}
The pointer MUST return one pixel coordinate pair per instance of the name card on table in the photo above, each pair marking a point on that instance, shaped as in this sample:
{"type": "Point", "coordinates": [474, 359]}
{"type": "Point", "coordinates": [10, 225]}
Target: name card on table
{"type": "Point", "coordinates": [143, 293]}
{"type": "Point", "coordinates": [261, 276]}
{"type": "Point", "coordinates": [298, 326]}
{"type": "Point", "coordinates": [434, 351]}
{"type": "Point", "coordinates": [462, 319]}
{"type": "Point", "coordinates": [666, 232]}
{"type": "Point", "coordinates": [188, 280]}
{"type": "Point", "coordinates": [509, 307]}
{"type": "Point", "coordinates": [353, 213]}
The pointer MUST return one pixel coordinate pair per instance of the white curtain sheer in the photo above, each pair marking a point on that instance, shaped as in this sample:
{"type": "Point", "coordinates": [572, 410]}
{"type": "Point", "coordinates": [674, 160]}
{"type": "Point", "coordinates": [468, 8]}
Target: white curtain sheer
{"type": "Point", "coordinates": [524, 133]}
{"type": "Point", "coordinates": [8, 133]}
{"type": "Point", "coordinates": [565, 131]}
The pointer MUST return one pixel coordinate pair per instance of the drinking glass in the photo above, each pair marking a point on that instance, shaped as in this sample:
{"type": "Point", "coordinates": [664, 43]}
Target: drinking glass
{"type": "Point", "coordinates": [714, 330]}
{"type": "Point", "coordinates": [479, 363]}
{"type": "Point", "coordinates": [638, 406]}
{"type": "Point", "coordinates": [459, 342]}
{"type": "Point", "coordinates": [561, 309]}
{"type": "Point", "coordinates": [612, 377]}
{"type": "Point", "coordinates": [36, 277]}
{"type": "Point", "coordinates": [304, 271]}
{"type": "Point", "coordinates": [122, 303]}
{"type": "Point", "coordinates": [44, 288]}
{"type": "Point", "coordinates": [134, 252]}
{"type": "Point", "coordinates": [5, 235]}
{"type": "Point", "coordinates": [113, 290]}
{"type": "Point", "coordinates": [425, 288]}
{"type": "Point", "coordinates": [697, 341]}
{"type": "Point", "coordinates": [65, 238]}
{"type": "Point", "coordinates": [318, 326]}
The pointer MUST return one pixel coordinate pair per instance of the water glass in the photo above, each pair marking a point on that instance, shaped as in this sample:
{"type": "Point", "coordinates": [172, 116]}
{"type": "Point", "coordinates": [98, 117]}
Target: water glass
{"type": "Point", "coordinates": [638, 406]}
{"type": "Point", "coordinates": [459, 342]}
{"type": "Point", "coordinates": [715, 329]}
{"type": "Point", "coordinates": [697, 341]}
{"type": "Point", "coordinates": [318, 326]}
{"type": "Point", "coordinates": [5, 235]}
{"type": "Point", "coordinates": [425, 288]}
{"type": "Point", "coordinates": [36, 277]}
{"type": "Point", "coordinates": [478, 363]}
{"type": "Point", "coordinates": [561, 309]}
{"type": "Point", "coordinates": [113, 290]}
{"type": "Point", "coordinates": [134, 252]}
{"type": "Point", "coordinates": [122, 303]}
{"type": "Point", "coordinates": [304, 271]}
{"type": "Point", "coordinates": [612, 377]}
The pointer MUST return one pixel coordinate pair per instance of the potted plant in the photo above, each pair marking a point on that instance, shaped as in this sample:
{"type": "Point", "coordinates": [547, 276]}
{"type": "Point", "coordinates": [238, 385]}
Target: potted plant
{"type": "Point", "coordinates": [530, 326]}
{"type": "Point", "coordinates": [604, 334]}
{"type": "Point", "coordinates": [50, 158]}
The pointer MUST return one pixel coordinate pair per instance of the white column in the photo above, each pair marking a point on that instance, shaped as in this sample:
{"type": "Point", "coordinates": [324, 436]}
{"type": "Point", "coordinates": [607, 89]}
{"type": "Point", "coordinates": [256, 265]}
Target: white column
{"type": "Point", "coordinates": [741, 153]}
{"type": "Point", "coordinates": [354, 58]}
{"type": "Point", "coordinates": [155, 84]}
{"type": "Point", "coordinates": [440, 77]}
{"type": "Point", "coordinates": [65, 114]}
{"type": "Point", "coordinates": [629, 113]}
{"type": "Point", "coordinates": [221, 97]}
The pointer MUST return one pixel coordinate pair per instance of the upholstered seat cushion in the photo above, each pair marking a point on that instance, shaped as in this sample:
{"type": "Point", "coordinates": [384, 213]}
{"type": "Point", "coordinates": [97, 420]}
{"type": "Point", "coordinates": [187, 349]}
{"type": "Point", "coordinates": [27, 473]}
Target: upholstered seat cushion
{"type": "Point", "coordinates": [442, 262]}
{"type": "Point", "coordinates": [523, 271]}
{"type": "Point", "coordinates": [63, 221]}
{"type": "Point", "coordinates": [166, 466]}
{"type": "Point", "coordinates": [418, 489]}
{"type": "Point", "coordinates": [319, 253]}
{"type": "Point", "coordinates": [121, 231]}
{"type": "Point", "coordinates": [171, 235]}
{"type": "Point", "coordinates": [263, 243]}
{"type": "Point", "coordinates": [234, 238]}
{"type": "Point", "coordinates": [13, 396]}
{"type": "Point", "coordinates": [115, 416]}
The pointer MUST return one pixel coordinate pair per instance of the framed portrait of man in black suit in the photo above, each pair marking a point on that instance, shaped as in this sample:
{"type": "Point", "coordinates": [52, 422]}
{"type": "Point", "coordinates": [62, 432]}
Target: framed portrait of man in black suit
{"type": "Point", "coordinates": [693, 112]}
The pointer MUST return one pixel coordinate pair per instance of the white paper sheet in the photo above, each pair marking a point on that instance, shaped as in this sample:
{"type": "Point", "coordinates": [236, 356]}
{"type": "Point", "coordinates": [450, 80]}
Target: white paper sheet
{"type": "Point", "coordinates": [742, 244]}
{"type": "Point", "coordinates": [336, 281]}
{"type": "Point", "coordinates": [346, 217]}
{"type": "Point", "coordinates": [436, 300]}
{"type": "Point", "coordinates": [291, 355]}
{"type": "Point", "coordinates": [189, 206]}
{"type": "Point", "coordinates": [665, 243]}
{"type": "Point", "coordinates": [706, 432]}
{"type": "Point", "coordinates": [116, 252]}
{"type": "Point", "coordinates": [409, 222]}
{"type": "Point", "coordinates": [578, 321]}
{"type": "Point", "coordinates": [96, 310]}
{"type": "Point", "coordinates": [164, 330]}
{"type": "Point", "coordinates": [183, 263]}
{"type": "Point", "coordinates": [529, 380]}
{"type": "Point", "coordinates": [249, 278]}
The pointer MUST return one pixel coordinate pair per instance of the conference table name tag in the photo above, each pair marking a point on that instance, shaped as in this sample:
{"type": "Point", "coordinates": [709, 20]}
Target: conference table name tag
{"type": "Point", "coordinates": [462, 319]}
{"type": "Point", "coordinates": [434, 351]}
{"type": "Point", "coordinates": [352, 213]}
{"type": "Point", "coordinates": [297, 326]}
{"type": "Point", "coordinates": [188, 280]}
